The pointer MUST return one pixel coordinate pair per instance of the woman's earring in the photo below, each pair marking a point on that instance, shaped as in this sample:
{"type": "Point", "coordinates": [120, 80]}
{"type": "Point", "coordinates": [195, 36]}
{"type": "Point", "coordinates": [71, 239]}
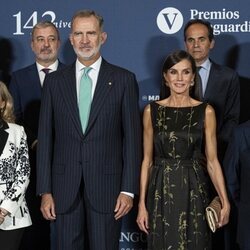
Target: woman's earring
{"type": "Point", "coordinates": [192, 83]}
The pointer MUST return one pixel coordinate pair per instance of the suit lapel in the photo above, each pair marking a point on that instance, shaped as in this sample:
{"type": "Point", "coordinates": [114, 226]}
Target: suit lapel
{"type": "Point", "coordinates": [33, 74]}
{"type": "Point", "coordinates": [68, 91]}
{"type": "Point", "coordinates": [212, 81]}
{"type": "Point", "coordinates": [103, 86]}
{"type": "Point", "coordinates": [36, 84]}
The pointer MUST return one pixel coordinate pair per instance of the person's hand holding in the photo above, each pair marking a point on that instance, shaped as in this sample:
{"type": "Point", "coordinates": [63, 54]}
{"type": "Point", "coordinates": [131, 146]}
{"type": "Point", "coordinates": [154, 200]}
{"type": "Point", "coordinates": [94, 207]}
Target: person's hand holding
{"type": "Point", "coordinates": [142, 218]}
{"type": "Point", "coordinates": [224, 215]}
{"type": "Point", "coordinates": [48, 207]}
{"type": "Point", "coordinates": [124, 204]}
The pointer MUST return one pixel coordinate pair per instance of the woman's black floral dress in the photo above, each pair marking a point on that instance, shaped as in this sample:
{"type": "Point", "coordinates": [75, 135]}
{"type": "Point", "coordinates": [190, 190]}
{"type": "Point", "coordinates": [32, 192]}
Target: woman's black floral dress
{"type": "Point", "coordinates": [179, 184]}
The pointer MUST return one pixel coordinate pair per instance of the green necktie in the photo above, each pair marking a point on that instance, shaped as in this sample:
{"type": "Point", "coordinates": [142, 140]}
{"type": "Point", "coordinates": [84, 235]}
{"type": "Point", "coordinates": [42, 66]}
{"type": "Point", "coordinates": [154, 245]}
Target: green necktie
{"type": "Point", "coordinates": [85, 97]}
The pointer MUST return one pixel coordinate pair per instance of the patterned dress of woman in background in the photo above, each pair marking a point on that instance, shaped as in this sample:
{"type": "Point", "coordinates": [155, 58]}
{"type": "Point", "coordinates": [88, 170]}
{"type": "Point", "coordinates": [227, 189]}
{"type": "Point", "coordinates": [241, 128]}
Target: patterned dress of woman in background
{"type": "Point", "coordinates": [14, 176]}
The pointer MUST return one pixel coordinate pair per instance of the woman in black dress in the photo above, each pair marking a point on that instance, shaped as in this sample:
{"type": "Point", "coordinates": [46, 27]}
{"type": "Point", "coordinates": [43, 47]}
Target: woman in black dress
{"type": "Point", "coordinates": [179, 157]}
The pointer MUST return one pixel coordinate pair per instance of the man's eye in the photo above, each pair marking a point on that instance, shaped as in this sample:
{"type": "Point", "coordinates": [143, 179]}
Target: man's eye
{"type": "Point", "coordinates": [40, 39]}
{"type": "Point", "coordinates": [52, 39]}
{"type": "Point", "coordinates": [190, 40]}
{"type": "Point", "coordinates": [92, 33]}
{"type": "Point", "coordinates": [76, 34]}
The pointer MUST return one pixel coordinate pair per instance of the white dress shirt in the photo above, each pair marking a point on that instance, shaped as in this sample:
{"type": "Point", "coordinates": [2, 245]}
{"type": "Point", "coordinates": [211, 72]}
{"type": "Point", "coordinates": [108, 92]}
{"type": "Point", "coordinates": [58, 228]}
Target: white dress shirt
{"type": "Point", "coordinates": [52, 67]}
{"type": "Point", "coordinates": [93, 74]}
{"type": "Point", "coordinates": [204, 73]}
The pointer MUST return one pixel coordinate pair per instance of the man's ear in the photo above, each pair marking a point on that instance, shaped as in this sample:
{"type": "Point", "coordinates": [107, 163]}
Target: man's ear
{"type": "Point", "coordinates": [104, 37]}
{"type": "Point", "coordinates": [212, 44]}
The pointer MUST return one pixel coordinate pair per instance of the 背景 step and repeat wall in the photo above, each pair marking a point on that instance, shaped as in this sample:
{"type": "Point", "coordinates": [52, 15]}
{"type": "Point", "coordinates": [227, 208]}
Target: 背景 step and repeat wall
{"type": "Point", "coordinates": [140, 35]}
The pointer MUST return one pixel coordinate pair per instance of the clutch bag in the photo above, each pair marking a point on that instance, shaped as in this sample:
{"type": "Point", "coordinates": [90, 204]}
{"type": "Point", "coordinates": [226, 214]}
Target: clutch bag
{"type": "Point", "coordinates": [213, 213]}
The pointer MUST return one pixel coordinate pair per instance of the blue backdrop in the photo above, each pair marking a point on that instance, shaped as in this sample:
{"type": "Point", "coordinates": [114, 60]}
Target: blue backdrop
{"type": "Point", "coordinates": [140, 35]}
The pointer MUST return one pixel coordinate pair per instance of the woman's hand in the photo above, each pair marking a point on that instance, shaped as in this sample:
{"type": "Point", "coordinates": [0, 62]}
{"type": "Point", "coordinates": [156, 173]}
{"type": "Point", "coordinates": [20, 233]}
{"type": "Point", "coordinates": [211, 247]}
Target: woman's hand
{"type": "Point", "coordinates": [224, 214]}
{"type": "Point", "coordinates": [142, 218]}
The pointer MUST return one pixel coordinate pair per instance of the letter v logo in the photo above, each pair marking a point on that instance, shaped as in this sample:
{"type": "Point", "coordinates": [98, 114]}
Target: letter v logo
{"type": "Point", "coordinates": [169, 20]}
{"type": "Point", "coordinates": [170, 23]}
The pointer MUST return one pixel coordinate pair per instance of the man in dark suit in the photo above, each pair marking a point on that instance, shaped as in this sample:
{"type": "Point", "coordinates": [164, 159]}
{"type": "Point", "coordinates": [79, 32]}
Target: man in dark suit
{"type": "Point", "coordinates": [88, 175]}
{"type": "Point", "coordinates": [219, 87]}
{"type": "Point", "coordinates": [26, 87]}
{"type": "Point", "coordinates": [237, 173]}
{"type": "Point", "coordinates": [220, 84]}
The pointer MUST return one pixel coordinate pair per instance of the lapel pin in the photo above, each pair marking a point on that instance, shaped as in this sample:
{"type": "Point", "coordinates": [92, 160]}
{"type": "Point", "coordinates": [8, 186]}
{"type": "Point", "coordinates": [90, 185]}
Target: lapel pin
{"type": "Point", "coordinates": [110, 83]}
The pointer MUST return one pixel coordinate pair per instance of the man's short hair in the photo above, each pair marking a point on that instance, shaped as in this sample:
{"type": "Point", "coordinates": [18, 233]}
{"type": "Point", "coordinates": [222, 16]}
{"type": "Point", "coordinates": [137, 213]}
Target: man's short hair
{"type": "Point", "coordinates": [42, 25]}
{"type": "Point", "coordinates": [202, 22]}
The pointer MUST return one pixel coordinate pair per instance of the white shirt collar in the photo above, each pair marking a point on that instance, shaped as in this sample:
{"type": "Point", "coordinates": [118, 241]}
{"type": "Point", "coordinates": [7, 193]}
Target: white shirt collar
{"type": "Point", "coordinates": [53, 66]}
{"type": "Point", "coordinates": [96, 65]}
{"type": "Point", "coordinates": [206, 65]}
{"type": "Point", "coordinates": [93, 74]}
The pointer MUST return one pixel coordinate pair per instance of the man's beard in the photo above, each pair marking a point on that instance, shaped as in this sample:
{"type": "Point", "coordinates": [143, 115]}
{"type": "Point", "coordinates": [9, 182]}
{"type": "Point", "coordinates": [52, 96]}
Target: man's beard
{"type": "Point", "coordinates": [86, 56]}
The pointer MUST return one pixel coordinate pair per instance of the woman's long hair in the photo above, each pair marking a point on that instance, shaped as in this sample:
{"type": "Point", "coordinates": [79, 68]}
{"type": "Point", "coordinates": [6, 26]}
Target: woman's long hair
{"type": "Point", "coordinates": [174, 58]}
{"type": "Point", "coordinates": [7, 112]}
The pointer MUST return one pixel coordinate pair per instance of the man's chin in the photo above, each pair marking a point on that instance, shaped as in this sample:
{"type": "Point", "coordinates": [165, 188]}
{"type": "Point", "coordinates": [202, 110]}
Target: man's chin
{"type": "Point", "coordinates": [47, 59]}
{"type": "Point", "coordinates": [86, 57]}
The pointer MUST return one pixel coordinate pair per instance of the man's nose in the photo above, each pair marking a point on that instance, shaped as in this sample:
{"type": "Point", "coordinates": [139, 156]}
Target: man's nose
{"type": "Point", "coordinates": [46, 42]}
{"type": "Point", "coordinates": [196, 43]}
{"type": "Point", "coordinates": [84, 39]}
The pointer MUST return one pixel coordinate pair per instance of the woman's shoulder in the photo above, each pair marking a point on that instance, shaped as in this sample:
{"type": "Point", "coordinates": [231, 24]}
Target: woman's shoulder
{"type": "Point", "coordinates": [196, 103]}
{"type": "Point", "coordinates": [16, 128]}
{"type": "Point", "coordinates": [209, 112]}
{"type": "Point", "coordinates": [209, 108]}
{"type": "Point", "coordinates": [147, 109]}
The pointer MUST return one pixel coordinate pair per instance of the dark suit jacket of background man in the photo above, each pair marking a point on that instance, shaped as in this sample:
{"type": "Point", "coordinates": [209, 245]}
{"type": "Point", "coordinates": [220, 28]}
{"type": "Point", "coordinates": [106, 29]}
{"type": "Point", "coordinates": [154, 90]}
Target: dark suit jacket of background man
{"type": "Point", "coordinates": [237, 172]}
{"type": "Point", "coordinates": [107, 157]}
{"type": "Point", "coordinates": [223, 93]}
{"type": "Point", "coordinates": [26, 90]}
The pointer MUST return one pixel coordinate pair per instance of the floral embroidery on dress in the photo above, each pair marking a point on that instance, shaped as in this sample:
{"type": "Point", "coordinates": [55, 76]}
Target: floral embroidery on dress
{"type": "Point", "coordinates": [15, 171]}
{"type": "Point", "coordinates": [178, 190]}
